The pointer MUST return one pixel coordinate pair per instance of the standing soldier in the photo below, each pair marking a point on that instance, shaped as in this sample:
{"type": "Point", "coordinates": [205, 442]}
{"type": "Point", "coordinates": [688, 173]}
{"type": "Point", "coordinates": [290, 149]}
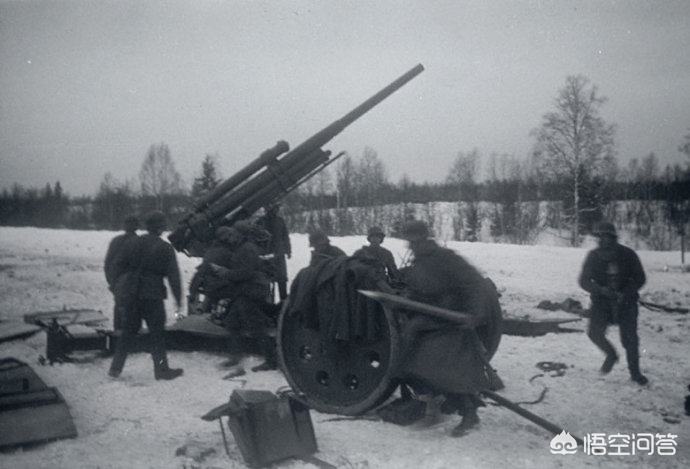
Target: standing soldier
{"type": "Point", "coordinates": [612, 274]}
{"type": "Point", "coordinates": [131, 223]}
{"type": "Point", "coordinates": [279, 245]}
{"type": "Point", "coordinates": [380, 255]}
{"type": "Point", "coordinates": [143, 264]}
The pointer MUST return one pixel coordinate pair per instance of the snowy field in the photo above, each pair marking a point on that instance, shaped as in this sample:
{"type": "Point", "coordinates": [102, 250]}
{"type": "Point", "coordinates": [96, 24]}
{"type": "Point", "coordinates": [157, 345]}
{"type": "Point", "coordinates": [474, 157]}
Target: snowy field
{"type": "Point", "coordinates": [137, 422]}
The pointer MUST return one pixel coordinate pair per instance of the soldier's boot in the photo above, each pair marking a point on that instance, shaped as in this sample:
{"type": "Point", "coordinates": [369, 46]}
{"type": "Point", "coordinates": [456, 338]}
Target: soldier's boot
{"type": "Point", "coordinates": [267, 345]}
{"type": "Point", "coordinates": [610, 360]}
{"type": "Point", "coordinates": [234, 352]}
{"type": "Point", "coordinates": [161, 370]}
{"type": "Point", "coordinates": [634, 367]}
{"type": "Point", "coordinates": [470, 420]}
{"type": "Point", "coordinates": [120, 355]}
{"type": "Point", "coordinates": [598, 336]}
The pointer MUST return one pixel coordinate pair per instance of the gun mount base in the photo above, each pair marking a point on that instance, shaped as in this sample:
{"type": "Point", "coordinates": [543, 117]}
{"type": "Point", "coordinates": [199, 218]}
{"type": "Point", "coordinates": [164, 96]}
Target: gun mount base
{"type": "Point", "coordinates": [341, 377]}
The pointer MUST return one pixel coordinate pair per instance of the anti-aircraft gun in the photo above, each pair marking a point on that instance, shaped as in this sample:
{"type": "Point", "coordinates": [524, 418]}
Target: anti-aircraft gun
{"type": "Point", "coordinates": [341, 345]}
{"type": "Point", "coordinates": [267, 179]}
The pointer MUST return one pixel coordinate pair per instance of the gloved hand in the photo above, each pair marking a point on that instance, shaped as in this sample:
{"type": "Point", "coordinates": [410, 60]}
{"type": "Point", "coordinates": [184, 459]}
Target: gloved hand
{"type": "Point", "coordinates": [607, 292]}
{"type": "Point", "coordinates": [178, 311]}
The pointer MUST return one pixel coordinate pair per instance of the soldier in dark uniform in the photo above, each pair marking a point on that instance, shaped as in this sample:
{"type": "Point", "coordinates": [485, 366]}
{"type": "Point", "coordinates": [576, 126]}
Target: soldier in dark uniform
{"type": "Point", "coordinates": [131, 223]}
{"type": "Point", "coordinates": [220, 254]}
{"type": "Point", "coordinates": [613, 274]}
{"type": "Point", "coordinates": [381, 256]}
{"type": "Point", "coordinates": [248, 288]}
{"type": "Point", "coordinates": [440, 277]}
{"type": "Point", "coordinates": [322, 249]}
{"type": "Point", "coordinates": [140, 268]}
{"type": "Point", "coordinates": [279, 245]}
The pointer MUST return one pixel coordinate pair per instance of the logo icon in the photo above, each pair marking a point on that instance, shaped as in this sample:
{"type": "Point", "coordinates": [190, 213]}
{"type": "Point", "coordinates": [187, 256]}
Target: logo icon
{"type": "Point", "coordinates": [563, 443]}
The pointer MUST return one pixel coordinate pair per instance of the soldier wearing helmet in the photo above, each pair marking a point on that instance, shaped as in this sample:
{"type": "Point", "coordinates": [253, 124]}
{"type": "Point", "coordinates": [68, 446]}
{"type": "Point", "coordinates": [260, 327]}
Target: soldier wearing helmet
{"type": "Point", "coordinates": [144, 263]}
{"type": "Point", "coordinates": [440, 277]}
{"type": "Point", "coordinates": [219, 253]}
{"type": "Point", "coordinates": [381, 257]}
{"type": "Point", "coordinates": [236, 275]}
{"type": "Point", "coordinates": [322, 249]}
{"type": "Point", "coordinates": [613, 275]}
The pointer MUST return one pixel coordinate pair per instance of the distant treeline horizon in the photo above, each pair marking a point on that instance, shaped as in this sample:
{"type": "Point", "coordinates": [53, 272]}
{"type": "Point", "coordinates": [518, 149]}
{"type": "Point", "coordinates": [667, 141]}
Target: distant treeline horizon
{"type": "Point", "coordinates": [514, 210]}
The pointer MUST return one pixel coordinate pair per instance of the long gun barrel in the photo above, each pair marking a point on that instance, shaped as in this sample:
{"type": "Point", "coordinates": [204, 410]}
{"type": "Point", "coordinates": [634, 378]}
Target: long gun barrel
{"type": "Point", "coordinates": [276, 172]}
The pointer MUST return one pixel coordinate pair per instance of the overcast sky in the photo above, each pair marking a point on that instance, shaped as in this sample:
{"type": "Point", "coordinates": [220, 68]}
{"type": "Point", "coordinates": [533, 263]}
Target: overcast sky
{"type": "Point", "coordinates": [86, 87]}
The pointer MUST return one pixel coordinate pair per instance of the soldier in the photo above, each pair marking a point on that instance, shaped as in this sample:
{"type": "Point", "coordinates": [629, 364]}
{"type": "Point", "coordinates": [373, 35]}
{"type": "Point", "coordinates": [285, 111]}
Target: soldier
{"type": "Point", "coordinates": [220, 253]}
{"type": "Point", "coordinates": [440, 277]}
{"type": "Point", "coordinates": [279, 245]}
{"type": "Point", "coordinates": [613, 274]}
{"type": "Point", "coordinates": [130, 225]}
{"type": "Point", "coordinates": [322, 249]}
{"type": "Point", "coordinates": [142, 265]}
{"type": "Point", "coordinates": [380, 255]}
{"type": "Point", "coordinates": [249, 288]}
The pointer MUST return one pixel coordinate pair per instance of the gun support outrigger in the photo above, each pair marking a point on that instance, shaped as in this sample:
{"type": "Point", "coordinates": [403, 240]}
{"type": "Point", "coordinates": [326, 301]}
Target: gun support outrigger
{"type": "Point", "coordinates": [264, 181]}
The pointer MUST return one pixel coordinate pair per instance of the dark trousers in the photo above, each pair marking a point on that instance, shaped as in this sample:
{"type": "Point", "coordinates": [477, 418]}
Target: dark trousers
{"type": "Point", "coordinates": [118, 315]}
{"type": "Point", "coordinates": [282, 290]}
{"type": "Point", "coordinates": [153, 312]}
{"type": "Point", "coordinates": [605, 312]}
{"type": "Point", "coordinates": [246, 319]}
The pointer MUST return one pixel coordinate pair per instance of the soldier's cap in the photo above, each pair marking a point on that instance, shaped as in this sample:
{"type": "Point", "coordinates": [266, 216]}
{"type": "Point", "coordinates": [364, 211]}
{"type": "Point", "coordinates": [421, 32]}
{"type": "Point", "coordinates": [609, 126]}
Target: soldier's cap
{"type": "Point", "coordinates": [225, 233]}
{"type": "Point", "coordinates": [243, 227]}
{"type": "Point", "coordinates": [130, 223]}
{"type": "Point", "coordinates": [316, 237]}
{"type": "Point", "coordinates": [155, 220]}
{"type": "Point", "coordinates": [375, 231]}
{"type": "Point", "coordinates": [605, 228]}
{"type": "Point", "coordinates": [415, 230]}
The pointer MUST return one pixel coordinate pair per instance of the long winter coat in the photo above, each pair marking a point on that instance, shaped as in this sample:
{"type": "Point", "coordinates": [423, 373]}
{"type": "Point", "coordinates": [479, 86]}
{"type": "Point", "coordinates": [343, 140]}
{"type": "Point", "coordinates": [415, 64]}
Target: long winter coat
{"type": "Point", "coordinates": [148, 260]}
{"type": "Point", "coordinates": [441, 355]}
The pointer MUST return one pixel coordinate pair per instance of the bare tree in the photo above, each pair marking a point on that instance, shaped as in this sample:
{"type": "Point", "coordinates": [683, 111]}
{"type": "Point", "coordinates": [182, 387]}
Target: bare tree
{"type": "Point", "coordinates": [574, 140]}
{"type": "Point", "coordinates": [685, 148]}
{"type": "Point", "coordinates": [463, 176]}
{"type": "Point", "coordinates": [344, 184]}
{"type": "Point", "coordinates": [465, 168]}
{"type": "Point", "coordinates": [370, 178]}
{"type": "Point", "coordinates": [158, 176]}
{"type": "Point", "coordinates": [114, 201]}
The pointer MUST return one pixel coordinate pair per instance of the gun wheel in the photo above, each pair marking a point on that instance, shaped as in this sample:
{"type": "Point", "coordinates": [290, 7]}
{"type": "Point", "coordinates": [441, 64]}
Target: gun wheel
{"type": "Point", "coordinates": [341, 377]}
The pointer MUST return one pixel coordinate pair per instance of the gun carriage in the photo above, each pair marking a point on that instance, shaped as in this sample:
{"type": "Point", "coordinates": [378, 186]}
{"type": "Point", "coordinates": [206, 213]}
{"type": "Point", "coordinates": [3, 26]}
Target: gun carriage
{"type": "Point", "coordinates": [341, 359]}
{"type": "Point", "coordinates": [264, 182]}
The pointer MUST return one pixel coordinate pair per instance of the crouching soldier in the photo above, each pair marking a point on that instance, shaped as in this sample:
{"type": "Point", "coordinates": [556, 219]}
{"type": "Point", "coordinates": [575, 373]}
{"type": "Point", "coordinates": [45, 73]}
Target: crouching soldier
{"type": "Point", "coordinates": [445, 357]}
{"type": "Point", "coordinates": [248, 289]}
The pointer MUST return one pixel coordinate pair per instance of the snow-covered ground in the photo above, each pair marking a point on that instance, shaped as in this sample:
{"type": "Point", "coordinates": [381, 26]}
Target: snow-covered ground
{"type": "Point", "coordinates": [137, 422]}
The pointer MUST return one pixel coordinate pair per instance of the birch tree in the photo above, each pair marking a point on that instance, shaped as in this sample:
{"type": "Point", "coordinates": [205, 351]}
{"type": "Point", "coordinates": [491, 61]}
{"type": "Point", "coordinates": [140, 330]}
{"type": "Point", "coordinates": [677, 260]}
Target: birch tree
{"type": "Point", "coordinates": [574, 142]}
{"type": "Point", "coordinates": [158, 176]}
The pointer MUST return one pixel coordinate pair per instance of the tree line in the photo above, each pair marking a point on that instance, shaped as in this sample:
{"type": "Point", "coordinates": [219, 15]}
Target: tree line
{"type": "Point", "coordinates": [573, 164]}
